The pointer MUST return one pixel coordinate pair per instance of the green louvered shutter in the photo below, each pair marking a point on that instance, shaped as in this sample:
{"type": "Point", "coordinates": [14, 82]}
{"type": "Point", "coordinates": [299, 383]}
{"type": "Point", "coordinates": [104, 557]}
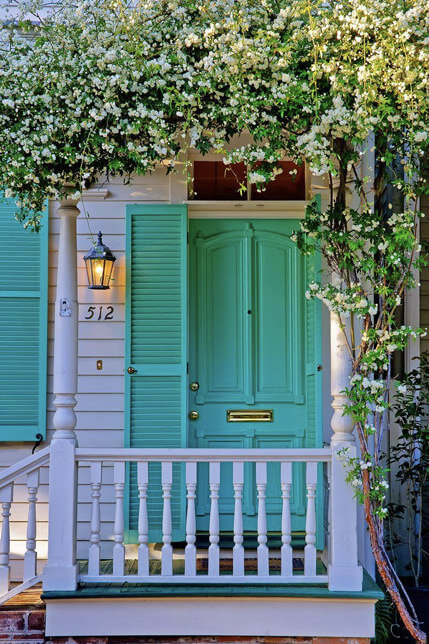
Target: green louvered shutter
{"type": "Point", "coordinates": [156, 347]}
{"type": "Point", "coordinates": [23, 327]}
{"type": "Point", "coordinates": [313, 434]}
{"type": "Point", "coordinates": [313, 349]}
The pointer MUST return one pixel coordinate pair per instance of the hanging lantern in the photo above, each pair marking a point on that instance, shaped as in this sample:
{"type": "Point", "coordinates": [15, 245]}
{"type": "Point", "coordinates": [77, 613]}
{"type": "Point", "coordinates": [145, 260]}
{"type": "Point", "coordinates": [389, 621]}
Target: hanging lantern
{"type": "Point", "coordinates": [99, 265]}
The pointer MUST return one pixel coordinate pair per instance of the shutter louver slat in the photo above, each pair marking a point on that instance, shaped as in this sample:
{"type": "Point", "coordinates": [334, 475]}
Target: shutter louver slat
{"type": "Point", "coordinates": [23, 327]}
{"type": "Point", "coordinates": [156, 347]}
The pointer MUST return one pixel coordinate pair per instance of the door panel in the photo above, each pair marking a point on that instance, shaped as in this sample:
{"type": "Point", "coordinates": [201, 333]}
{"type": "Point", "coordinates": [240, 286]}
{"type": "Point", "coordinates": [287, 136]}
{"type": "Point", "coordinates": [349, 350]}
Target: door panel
{"type": "Point", "coordinates": [248, 324]}
{"type": "Point", "coordinates": [277, 319]}
{"type": "Point", "coordinates": [221, 360]}
{"type": "Point", "coordinates": [272, 318]}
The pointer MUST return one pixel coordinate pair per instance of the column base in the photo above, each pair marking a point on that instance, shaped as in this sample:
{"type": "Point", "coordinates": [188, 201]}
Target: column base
{"type": "Point", "coordinates": [345, 578]}
{"type": "Point", "coordinates": [60, 577]}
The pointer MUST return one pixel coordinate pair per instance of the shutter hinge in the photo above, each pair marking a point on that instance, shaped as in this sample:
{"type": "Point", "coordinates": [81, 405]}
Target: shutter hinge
{"type": "Point", "coordinates": [187, 367]}
{"type": "Point", "coordinates": [187, 238]}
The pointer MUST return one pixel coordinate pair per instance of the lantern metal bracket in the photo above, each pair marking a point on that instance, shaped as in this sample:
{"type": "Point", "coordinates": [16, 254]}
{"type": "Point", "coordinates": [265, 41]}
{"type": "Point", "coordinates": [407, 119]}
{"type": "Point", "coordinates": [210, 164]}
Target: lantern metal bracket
{"type": "Point", "coordinates": [65, 308]}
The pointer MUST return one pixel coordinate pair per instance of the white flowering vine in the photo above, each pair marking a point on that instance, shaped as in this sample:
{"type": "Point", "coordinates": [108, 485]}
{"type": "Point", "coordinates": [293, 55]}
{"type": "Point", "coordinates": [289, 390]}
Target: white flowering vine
{"type": "Point", "coordinates": [104, 87]}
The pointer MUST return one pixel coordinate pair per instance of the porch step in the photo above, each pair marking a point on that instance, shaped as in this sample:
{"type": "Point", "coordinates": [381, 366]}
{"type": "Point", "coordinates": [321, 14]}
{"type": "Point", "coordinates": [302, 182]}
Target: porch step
{"type": "Point", "coordinates": [211, 614]}
{"type": "Point", "coordinates": [204, 613]}
{"type": "Point", "coordinates": [22, 621]}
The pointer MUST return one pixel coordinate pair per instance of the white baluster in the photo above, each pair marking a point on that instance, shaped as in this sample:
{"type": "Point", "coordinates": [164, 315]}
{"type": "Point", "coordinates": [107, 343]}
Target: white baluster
{"type": "Point", "coordinates": [263, 554]}
{"type": "Point", "coordinates": [167, 550]}
{"type": "Point", "coordinates": [191, 550]}
{"type": "Point", "coordinates": [329, 484]}
{"type": "Point", "coordinates": [310, 522]}
{"type": "Point", "coordinates": [94, 540]}
{"type": "Point", "coordinates": [238, 551]}
{"type": "Point", "coordinates": [6, 496]}
{"type": "Point", "coordinates": [286, 550]}
{"type": "Point", "coordinates": [143, 526]}
{"type": "Point", "coordinates": [30, 557]}
{"type": "Point", "coordinates": [118, 548]}
{"type": "Point", "coordinates": [214, 520]}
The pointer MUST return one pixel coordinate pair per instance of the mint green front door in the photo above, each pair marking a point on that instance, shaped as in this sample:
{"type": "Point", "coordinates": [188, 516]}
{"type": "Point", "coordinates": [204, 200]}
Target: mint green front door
{"type": "Point", "coordinates": [253, 345]}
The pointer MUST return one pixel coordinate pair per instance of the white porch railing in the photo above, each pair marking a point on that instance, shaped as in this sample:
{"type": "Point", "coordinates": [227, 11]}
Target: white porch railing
{"type": "Point", "coordinates": [213, 457]}
{"type": "Point", "coordinates": [28, 470]}
{"type": "Point", "coordinates": [62, 570]}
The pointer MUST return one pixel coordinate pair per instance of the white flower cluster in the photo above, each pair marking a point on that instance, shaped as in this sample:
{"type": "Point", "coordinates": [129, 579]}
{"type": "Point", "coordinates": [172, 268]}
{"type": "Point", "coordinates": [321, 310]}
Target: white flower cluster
{"type": "Point", "coordinates": [341, 299]}
{"type": "Point", "coordinates": [119, 87]}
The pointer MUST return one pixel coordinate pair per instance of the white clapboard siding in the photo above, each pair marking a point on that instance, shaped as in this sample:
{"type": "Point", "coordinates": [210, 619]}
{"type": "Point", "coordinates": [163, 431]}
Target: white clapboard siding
{"type": "Point", "coordinates": [88, 437]}
{"type": "Point", "coordinates": [19, 511]}
{"type": "Point", "coordinates": [116, 243]}
{"type": "Point", "coordinates": [115, 227]}
{"type": "Point", "coordinates": [94, 297]}
{"type": "Point", "coordinates": [102, 330]}
{"type": "Point", "coordinates": [81, 272]}
{"type": "Point", "coordinates": [94, 384]}
{"type": "Point", "coordinates": [100, 397]}
{"type": "Point", "coordinates": [101, 420]}
{"type": "Point", "coordinates": [20, 494]}
{"type": "Point", "coordinates": [90, 402]}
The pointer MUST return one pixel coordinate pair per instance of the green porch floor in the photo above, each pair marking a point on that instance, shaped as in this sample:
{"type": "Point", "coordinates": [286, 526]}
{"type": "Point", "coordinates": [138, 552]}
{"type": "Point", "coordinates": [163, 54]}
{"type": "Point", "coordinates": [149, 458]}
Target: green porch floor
{"type": "Point", "coordinates": [370, 590]}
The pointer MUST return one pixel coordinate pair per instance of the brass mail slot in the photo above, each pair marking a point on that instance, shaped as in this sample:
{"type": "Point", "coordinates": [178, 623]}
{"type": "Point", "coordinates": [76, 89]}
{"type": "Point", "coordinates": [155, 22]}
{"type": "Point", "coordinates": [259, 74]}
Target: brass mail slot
{"type": "Point", "coordinates": [249, 415]}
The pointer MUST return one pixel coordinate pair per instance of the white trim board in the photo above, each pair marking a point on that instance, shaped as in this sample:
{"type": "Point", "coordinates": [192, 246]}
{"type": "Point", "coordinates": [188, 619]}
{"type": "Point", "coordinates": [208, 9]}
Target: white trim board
{"type": "Point", "coordinates": [246, 209]}
{"type": "Point", "coordinates": [199, 616]}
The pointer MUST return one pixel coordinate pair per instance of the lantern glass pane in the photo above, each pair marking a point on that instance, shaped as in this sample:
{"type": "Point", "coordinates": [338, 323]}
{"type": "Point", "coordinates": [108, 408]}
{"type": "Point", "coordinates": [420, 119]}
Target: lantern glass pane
{"type": "Point", "coordinates": [107, 272]}
{"type": "Point", "coordinates": [98, 271]}
{"type": "Point", "coordinates": [88, 271]}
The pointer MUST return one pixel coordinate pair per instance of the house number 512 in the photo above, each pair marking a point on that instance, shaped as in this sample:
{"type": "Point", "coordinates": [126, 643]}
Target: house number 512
{"type": "Point", "coordinates": [104, 313]}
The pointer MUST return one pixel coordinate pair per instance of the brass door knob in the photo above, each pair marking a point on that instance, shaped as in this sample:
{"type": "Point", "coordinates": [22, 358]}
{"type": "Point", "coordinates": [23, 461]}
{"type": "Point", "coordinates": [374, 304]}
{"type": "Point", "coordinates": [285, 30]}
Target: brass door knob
{"type": "Point", "coordinates": [131, 370]}
{"type": "Point", "coordinates": [194, 386]}
{"type": "Point", "coordinates": [194, 415]}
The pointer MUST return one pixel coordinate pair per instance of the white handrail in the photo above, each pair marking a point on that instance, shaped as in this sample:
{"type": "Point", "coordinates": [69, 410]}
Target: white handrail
{"type": "Point", "coordinates": [198, 455]}
{"type": "Point", "coordinates": [24, 466]}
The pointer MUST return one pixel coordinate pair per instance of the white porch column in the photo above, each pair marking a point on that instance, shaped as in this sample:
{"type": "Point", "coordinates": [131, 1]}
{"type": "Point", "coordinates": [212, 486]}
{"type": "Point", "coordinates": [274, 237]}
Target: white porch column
{"type": "Point", "coordinates": [61, 570]}
{"type": "Point", "coordinates": [343, 569]}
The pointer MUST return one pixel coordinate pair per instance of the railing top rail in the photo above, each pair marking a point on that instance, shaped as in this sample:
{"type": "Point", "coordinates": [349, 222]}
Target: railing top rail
{"type": "Point", "coordinates": [24, 466]}
{"type": "Point", "coordinates": [196, 455]}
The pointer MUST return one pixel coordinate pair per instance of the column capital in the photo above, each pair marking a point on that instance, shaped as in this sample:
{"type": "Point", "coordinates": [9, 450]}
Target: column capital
{"type": "Point", "coordinates": [69, 203]}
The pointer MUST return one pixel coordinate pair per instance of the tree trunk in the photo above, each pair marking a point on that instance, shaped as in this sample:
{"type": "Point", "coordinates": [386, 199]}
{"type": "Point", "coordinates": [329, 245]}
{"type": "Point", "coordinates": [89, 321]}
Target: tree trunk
{"type": "Point", "coordinates": [385, 568]}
